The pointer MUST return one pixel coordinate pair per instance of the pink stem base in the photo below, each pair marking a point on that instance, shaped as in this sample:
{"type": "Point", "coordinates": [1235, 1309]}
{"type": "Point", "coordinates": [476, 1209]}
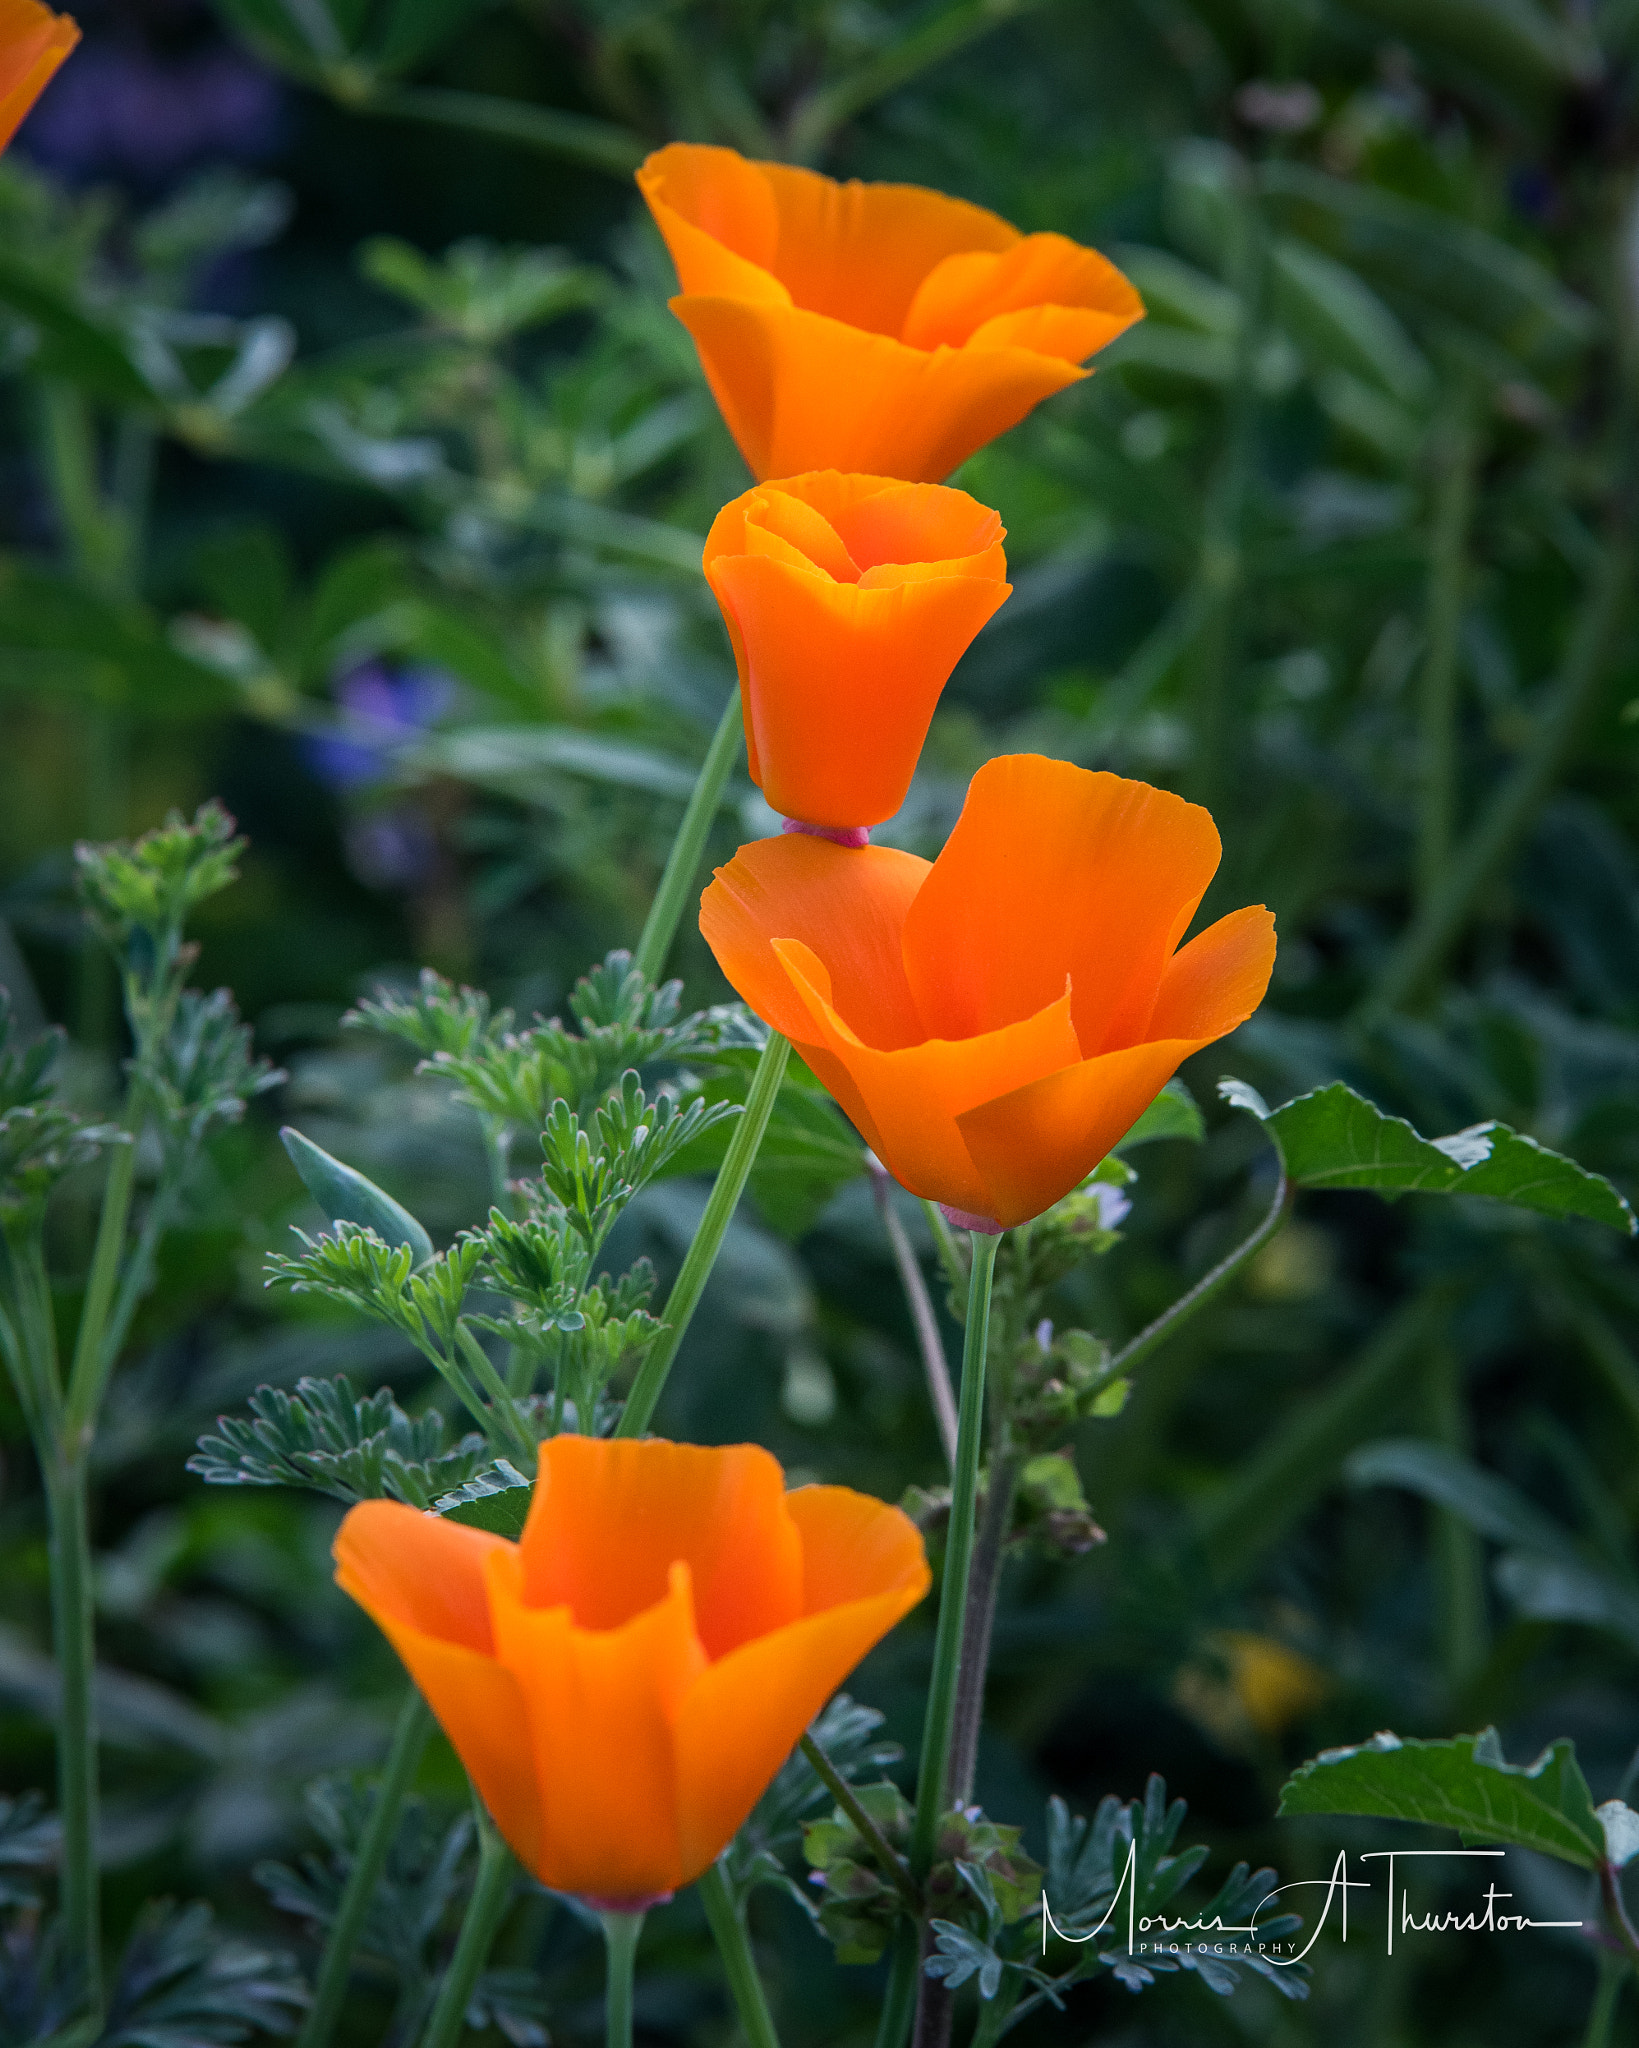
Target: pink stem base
{"type": "Point", "coordinates": [964, 1219]}
{"type": "Point", "coordinates": [638, 1905]}
{"type": "Point", "coordinates": [839, 835]}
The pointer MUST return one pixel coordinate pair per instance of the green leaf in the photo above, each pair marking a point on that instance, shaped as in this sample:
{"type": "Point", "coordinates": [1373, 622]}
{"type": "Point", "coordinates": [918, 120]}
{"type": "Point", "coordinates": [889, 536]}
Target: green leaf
{"type": "Point", "coordinates": [1487, 1504]}
{"type": "Point", "coordinates": [1462, 1783]}
{"type": "Point", "coordinates": [345, 1196]}
{"type": "Point", "coordinates": [496, 1499]}
{"type": "Point", "coordinates": [512, 758]}
{"type": "Point", "coordinates": [1328, 310]}
{"type": "Point", "coordinates": [1513, 43]}
{"type": "Point", "coordinates": [71, 344]}
{"type": "Point", "coordinates": [1334, 1138]}
{"type": "Point", "coordinates": [1173, 1114]}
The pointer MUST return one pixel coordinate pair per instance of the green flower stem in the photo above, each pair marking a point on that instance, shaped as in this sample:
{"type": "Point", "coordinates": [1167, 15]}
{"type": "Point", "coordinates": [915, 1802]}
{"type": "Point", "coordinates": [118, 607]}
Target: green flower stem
{"type": "Point", "coordinates": [524, 1439]}
{"type": "Point", "coordinates": [739, 1967]}
{"type": "Point", "coordinates": [1613, 1974]}
{"type": "Point", "coordinates": [68, 1510]}
{"type": "Point", "coordinates": [984, 1583]}
{"type": "Point", "coordinates": [410, 1734]}
{"type": "Point", "coordinates": [89, 1372]}
{"type": "Point", "coordinates": [923, 1319]}
{"type": "Point", "coordinates": [1458, 453]}
{"type": "Point", "coordinates": [702, 1254]}
{"type": "Point", "coordinates": [620, 1937]}
{"type": "Point", "coordinates": [936, 1731]}
{"type": "Point", "coordinates": [1206, 1287]}
{"type": "Point", "coordinates": [490, 1895]}
{"type": "Point", "coordinates": [899, 1998]}
{"type": "Point", "coordinates": [683, 862]}
{"type": "Point", "coordinates": [891, 1863]}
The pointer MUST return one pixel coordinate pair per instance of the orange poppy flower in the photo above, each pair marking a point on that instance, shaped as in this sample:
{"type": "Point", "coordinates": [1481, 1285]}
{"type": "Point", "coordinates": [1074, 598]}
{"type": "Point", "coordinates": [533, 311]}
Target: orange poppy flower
{"type": "Point", "coordinates": [624, 1682]}
{"type": "Point", "coordinates": [849, 600]}
{"type": "Point", "coordinates": [880, 328]}
{"type": "Point", "coordinates": [995, 1021]}
{"type": "Point", "coordinates": [33, 42]}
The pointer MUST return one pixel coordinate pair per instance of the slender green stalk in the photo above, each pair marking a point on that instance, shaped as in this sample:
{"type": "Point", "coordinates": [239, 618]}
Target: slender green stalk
{"type": "Point", "coordinates": [683, 862]}
{"type": "Point", "coordinates": [484, 1370]}
{"type": "Point", "coordinates": [68, 1509]}
{"type": "Point", "coordinates": [478, 1931]}
{"type": "Point", "coordinates": [702, 1254]}
{"type": "Point", "coordinates": [89, 1372]}
{"type": "Point", "coordinates": [1458, 1556]}
{"type": "Point", "coordinates": [1447, 587]}
{"type": "Point", "coordinates": [410, 1734]}
{"type": "Point", "coordinates": [739, 1967]}
{"type": "Point", "coordinates": [933, 1768]}
{"type": "Point", "coordinates": [888, 1859]}
{"type": "Point", "coordinates": [899, 1999]}
{"type": "Point", "coordinates": [984, 1583]}
{"type": "Point", "coordinates": [917, 1300]}
{"type": "Point", "coordinates": [1607, 1995]}
{"type": "Point", "coordinates": [1512, 811]}
{"type": "Point", "coordinates": [620, 1938]}
{"type": "Point", "coordinates": [1207, 1286]}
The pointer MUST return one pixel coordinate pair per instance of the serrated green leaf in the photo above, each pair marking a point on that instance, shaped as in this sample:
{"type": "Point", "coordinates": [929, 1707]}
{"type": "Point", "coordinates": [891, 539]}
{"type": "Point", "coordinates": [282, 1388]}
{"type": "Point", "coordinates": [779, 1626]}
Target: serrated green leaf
{"type": "Point", "coordinates": [346, 1196]}
{"type": "Point", "coordinates": [1334, 1138]}
{"type": "Point", "coordinates": [1462, 1783]}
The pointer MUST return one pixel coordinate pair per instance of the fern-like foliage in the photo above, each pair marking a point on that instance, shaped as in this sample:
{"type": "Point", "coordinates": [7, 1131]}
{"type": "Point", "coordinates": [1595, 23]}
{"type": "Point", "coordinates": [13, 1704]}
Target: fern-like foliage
{"type": "Point", "coordinates": [326, 1439]}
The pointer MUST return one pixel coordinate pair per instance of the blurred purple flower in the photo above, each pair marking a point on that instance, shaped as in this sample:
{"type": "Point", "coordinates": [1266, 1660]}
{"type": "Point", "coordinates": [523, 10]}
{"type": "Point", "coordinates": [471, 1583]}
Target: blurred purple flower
{"type": "Point", "coordinates": [380, 704]}
{"type": "Point", "coordinates": [392, 849]}
{"type": "Point", "coordinates": [126, 112]}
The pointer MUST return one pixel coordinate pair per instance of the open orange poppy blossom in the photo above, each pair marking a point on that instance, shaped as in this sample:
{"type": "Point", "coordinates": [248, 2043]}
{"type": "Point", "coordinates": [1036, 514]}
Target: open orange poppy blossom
{"type": "Point", "coordinates": [849, 600]}
{"type": "Point", "coordinates": [995, 1021]}
{"type": "Point", "coordinates": [880, 328]}
{"type": "Point", "coordinates": [33, 42]}
{"type": "Point", "coordinates": [623, 1682]}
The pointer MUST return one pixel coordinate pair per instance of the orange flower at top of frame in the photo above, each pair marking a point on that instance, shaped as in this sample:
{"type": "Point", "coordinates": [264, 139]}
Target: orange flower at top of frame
{"type": "Point", "coordinates": [33, 42]}
{"type": "Point", "coordinates": [623, 1682]}
{"type": "Point", "coordinates": [880, 328]}
{"type": "Point", "coordinates": [849, 600]}
{"type": "Point", "coordinates": [994, 1022]}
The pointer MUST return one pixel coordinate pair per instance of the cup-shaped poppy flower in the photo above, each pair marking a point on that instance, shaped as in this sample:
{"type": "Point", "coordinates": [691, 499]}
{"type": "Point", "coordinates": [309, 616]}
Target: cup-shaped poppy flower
{"type": "Point", "coordinates": [623, 1682]}
{"type": "Point", "coordinates": [849, 600]}
{"type": "Point", "coordinates": [993, 1022]}
{"type": "Point", "coordinates": [880, 328]}
{"type": "Point", "coordinates": [33, 42]}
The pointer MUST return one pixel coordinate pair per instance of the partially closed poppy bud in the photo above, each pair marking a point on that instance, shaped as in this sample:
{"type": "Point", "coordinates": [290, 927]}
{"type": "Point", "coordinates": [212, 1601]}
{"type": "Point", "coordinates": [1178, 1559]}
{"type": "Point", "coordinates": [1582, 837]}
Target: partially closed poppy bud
{"type": "Point", "coordinates": [993, 1022]}
{"type": "Point", "coordinates": [33, 42]}
{"type": "Point", "coordinates": [623, 1683]}
{"type": "Point", "coordinates": [879, 328]}
{"type": "Point", "coordinates": [849, 600]}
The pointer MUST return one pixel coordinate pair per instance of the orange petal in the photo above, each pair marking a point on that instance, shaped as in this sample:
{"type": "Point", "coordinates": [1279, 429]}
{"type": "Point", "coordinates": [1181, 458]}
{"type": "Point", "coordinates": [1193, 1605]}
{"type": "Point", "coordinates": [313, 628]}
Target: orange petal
{"type": "Point", "coordinates": [858, 252]}
{"type": "Point", "coordinates": [783, 516]}
{"type": "Point", "coordinates": [1072, 332]}
{"type": "Point", "coordinates": [854, 1547]}
{"type": "Point", "coordinates": [717, 214]}
{"type": "Point", "coordinates": [600, 1705]}
{"type": "Point", "coordinates": [609, 1519]}
{"type": "Point", "coordinates": [1055, 870]}
{"type": "Point", "coordinates": [842, 679]}
{"type": "Point", "coordinates": [847, 903]}
{"type": "Point", "coordinates": [1218, 979]}
{"type": "Point", "coordinates": [918, 523]}
{"type": "Point", "coordinates": [743, 1717]}
{"type": "Point", "coordinates": [33, 42]}
{"type": "Point", "coordinates": [915, 1095]}
{"type": "Point", "coordinates": [800, 391]}
{"type": "Point", "coordinates": [420, 1579]}
{"type": "Point", "coordinates": [965, 294]}
{"type": "Point", "coordinates": [1033, 1146]}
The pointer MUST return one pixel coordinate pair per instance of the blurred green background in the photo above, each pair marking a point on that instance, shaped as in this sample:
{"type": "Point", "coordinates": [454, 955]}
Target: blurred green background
{"type": "Point", "coordinates": [355, 472]}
